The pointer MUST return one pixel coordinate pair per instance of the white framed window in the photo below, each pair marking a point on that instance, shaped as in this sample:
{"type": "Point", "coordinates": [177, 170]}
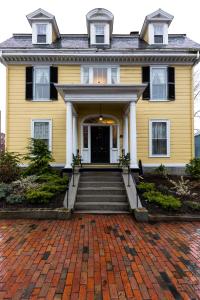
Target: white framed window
{"type": "Point", "coordinates": [42, 129]}
{"type": "Point", "coordinates": [100, 74]}
{"type": "Point", "coordinates": [159, 138]}
{"type": "Point", "coordinates": [41, 33]}
{"type": "Point", "coordinates": [99, 33]}
{"type": "Point", "coordinates": [41, 83]}
{"type": "Point", "coordinates": [158, 81]}
{"type": "Point", "coordinates": [158, 33]}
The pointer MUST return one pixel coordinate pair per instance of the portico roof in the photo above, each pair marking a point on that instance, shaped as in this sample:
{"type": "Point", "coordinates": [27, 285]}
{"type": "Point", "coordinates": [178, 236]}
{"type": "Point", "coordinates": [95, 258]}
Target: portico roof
{"type": "Point", "coordinates": [87, 93]}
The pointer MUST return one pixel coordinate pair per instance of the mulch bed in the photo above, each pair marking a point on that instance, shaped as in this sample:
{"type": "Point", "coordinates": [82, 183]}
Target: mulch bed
{"type": "Point", "coordinates": [56, 202]}
{"type": "Point", "coordinates": [161, 184]}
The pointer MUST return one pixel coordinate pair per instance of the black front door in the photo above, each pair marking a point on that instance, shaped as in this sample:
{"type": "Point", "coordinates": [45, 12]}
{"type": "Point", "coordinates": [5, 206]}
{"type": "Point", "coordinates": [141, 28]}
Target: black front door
{"type": "Point", "coordinates": [100, 144]}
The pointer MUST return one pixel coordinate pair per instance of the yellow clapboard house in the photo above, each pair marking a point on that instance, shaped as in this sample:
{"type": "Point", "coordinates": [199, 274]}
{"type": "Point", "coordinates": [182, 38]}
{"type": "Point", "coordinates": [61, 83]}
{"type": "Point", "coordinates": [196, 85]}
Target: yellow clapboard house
{"type": "Point", "coordinates": [101, 92]}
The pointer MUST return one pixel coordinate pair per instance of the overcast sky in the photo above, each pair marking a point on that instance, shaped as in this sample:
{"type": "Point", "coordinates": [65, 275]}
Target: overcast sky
{"type": "Point", "coordinates": [70, 15]}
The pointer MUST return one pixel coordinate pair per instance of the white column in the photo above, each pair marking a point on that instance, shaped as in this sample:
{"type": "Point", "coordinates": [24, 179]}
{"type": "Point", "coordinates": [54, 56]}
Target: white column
{"type": "Point", "coordinates": [133, 136]}
{"type": "Point", "coordinates": [75, 137]}
{"type": "Point", "coordinates": [69, 135]}
{"type": "Point", "coordinates": [125, 134]}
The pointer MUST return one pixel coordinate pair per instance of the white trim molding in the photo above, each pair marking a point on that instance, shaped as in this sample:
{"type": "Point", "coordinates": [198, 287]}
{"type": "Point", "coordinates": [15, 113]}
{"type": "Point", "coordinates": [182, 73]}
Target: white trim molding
{"type": "Point", "coordinates": [50, 129]}
{"type": "Point", "coordinates": [168, 137]}
{"type": "Point", "coordinates": [34, 84]}
{"type": "Point", "coordinates": [48, 33]}
{"type": "Point", "coordinates": [46, 56]}
{"type": "Point", "coordinates": [91, 72]}
{"type": "Point", "coordinates": [91, 93]}
{"type": "Point", "coordinates": [86, 152]}
{"type": "Point", "coordinates": [172, 165]}
{"type": "Point", "coordinates": [151, 83]}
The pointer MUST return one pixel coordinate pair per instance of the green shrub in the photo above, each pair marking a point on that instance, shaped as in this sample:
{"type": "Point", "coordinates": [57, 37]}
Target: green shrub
{"type": "Point", "coordinates": [39, 157]}
{"type": "Point", "coordinates": [165, 201]}
{"type": "Point", "coordinates": [193, 168]}
{"type": "Point", "coordinates": [161, 170]}
{"type": "Point", "coordinates": [53, 178]}
{"type": "Point", "coordinates": [14, 199]}
{"type": "Point", "coordinates": [193, 205]}
{"type": "Point", "coordinates": [146, 186]}
{"type": "Point", "coordinates": [53, 188]}
{"type": "Point", "coordinates": [24, 184]}
{"type": "Point", "coordinates": [5, 190]}
{"type": "Point", "coordinates": [9, 169]}
{"type": "Point", "coordinates": [38, 196]}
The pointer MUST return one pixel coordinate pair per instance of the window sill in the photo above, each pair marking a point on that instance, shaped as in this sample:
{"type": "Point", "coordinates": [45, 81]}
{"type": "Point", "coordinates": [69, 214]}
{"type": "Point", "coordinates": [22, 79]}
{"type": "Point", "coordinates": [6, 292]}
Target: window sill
{"type": "Point", "coordinates": [164, 156]}
{"type": "Point", "coordinates": [41, 44]}
{"type": "Point", "coordinates": [41, 100]}
{"type": "Point", "coordinates": [161, 100]}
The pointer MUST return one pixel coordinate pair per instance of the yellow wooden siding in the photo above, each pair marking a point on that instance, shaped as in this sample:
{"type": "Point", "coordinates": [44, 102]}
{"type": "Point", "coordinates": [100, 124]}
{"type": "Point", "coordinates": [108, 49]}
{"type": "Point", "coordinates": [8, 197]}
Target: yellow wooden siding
{"type": "Point", "coordinates": [179, 112]}
{"type": "Point", "coordinates": [20, 112]}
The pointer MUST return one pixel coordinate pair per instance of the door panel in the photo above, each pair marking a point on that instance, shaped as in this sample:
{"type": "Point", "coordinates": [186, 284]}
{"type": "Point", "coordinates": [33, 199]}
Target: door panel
{"type": "Point", "coordinates": [100, 144]}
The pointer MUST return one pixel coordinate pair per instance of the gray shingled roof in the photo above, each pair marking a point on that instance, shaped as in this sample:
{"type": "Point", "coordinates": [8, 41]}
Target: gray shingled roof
{"type": "Point", "coordinates": [119, 42]}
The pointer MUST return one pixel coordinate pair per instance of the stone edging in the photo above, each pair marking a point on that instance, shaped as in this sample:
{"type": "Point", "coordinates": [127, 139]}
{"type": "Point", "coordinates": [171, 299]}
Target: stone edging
{"type": "Point", "coordinates": [36, 213]}
{"type": "Point", "coordinates": [142, 215]}
{"type": "Point", "coordinates": [173, 218]}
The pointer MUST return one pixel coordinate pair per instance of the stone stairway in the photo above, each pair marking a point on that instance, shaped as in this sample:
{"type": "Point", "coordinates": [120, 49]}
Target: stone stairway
{"type": "Point", "coordinates": [101, 192]}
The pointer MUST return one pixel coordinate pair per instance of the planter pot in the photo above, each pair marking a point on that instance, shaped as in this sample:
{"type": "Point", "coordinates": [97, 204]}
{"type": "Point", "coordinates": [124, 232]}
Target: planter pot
{"type": "Point", "coordinates": [141, 214]}
{"type": "Point", "coordinates": [125, 170]}
{"type": "Point", "coordinates": [76, 169]}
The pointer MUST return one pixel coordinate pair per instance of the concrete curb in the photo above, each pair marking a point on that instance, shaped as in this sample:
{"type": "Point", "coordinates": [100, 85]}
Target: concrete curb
{"type": "Point", "coordinates": [36, 213]}
{"type": "Point", "coordinates": [174, 218]}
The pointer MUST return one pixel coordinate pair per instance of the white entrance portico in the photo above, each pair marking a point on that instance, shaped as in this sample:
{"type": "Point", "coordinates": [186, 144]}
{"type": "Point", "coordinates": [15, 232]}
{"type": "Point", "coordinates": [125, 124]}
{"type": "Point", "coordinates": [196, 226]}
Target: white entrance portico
{"type": "Point", "coordinates": [105, 129]}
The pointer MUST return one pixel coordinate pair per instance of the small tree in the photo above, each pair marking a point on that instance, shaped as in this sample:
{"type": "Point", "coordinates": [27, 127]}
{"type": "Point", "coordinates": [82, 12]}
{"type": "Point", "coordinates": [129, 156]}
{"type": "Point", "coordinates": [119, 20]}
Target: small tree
{"type": "Point", "coordinates": [9, 169]}
{"type": "Point", "coordinates": [193, 168]}
{"type": "Point", "coordinates": [39, 157]}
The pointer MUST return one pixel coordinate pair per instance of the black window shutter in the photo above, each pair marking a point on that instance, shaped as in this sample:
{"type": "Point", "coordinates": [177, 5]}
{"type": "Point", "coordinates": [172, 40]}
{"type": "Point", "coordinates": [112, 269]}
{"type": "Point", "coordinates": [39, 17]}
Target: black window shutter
{"type": "Point", "coordinates": [171, 83]}
{"type": "Point", "coordinates": [29, 83]}
{"type": "Point", "coordinates": [146, 79]}
{"type": "Point", "coordinates": [53, 79]}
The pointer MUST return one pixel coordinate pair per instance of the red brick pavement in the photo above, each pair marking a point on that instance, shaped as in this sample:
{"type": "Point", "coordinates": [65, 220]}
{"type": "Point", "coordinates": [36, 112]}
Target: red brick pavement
{"type": "Point", "coordinates": [99, 257]}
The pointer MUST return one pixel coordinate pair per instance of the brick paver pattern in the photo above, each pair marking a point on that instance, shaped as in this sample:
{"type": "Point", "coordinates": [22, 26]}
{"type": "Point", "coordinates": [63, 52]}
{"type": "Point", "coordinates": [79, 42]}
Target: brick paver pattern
{"type": "Point", "coordinates": [99, 257]}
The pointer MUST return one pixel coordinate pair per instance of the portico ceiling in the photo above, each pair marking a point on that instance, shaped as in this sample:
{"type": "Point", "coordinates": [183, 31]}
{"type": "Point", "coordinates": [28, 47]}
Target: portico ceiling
{"type": "Point", "coordinates": [94, 93]}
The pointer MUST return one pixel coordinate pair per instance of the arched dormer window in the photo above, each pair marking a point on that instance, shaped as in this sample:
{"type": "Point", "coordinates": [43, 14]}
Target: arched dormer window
{"type": "Point", "coordinates": [99, 26]}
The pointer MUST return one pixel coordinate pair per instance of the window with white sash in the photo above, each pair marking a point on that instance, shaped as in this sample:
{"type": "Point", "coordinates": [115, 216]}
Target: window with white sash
{"type": "Point", "coordinates": [41, 83]}
{"type": "Point", "coordinates": [158, 83]}
{"type": "Point", "coordinates": [158, 33]}
{"type": "Point", "coordinates": [42, 129]}
{"type": "Point", "coordinates": [41, 33]}
{"type": "Point", "coordinates": [159, 134]}
{"type": "Point", "coordinates": [100, 75]}
{"type": "Point", "coordinates": [99, 33]}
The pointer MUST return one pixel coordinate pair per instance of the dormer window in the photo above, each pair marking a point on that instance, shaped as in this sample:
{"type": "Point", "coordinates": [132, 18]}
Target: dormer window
{"type": "Point", "coordinates": [155, 28]}
{"type": "Point", "coordinates": [99, 33]}
{"type": "Point", "coordinates": [44, 27]}
{"type": "Point", "coordinates": [100, 26]}
{"type": "Point", "coordinates": [41, 33]}
{"type": "Point", "coordinates": [158, 34]}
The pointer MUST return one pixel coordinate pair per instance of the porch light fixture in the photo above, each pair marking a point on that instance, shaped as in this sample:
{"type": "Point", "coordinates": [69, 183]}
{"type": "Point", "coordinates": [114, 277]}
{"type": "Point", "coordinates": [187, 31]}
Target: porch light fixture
{"type": "Point", "coordinates": [100, 116]}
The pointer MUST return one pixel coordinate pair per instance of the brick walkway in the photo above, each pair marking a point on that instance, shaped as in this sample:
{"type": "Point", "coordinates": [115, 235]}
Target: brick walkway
{"type": "Point", "coordinates": [99, 257]}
